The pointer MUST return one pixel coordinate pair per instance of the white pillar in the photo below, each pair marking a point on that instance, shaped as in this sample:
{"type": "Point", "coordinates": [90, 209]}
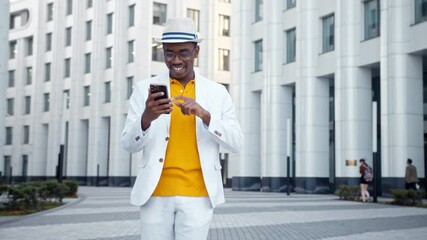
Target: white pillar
{"type": "Point", "coordinates": [4, 56]}
{"type": "Point", "coordinates": [401, 95]}
{"type": "Point", "coordinates": [353, 94]}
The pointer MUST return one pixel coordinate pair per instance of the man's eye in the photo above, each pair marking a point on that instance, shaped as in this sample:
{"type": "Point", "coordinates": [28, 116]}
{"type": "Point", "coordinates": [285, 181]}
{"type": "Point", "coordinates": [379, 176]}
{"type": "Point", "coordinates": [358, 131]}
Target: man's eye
{"type": "Point", "coordinates": [184, 54]}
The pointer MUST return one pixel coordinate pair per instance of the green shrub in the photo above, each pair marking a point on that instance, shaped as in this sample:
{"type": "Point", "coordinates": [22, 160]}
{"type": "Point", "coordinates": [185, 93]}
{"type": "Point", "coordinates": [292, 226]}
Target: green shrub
{"type": "Point", "coordinates": [407, 197]}
{"type": "Point", "coordinates": [22, 196]}
{"type": "Point", "coordinates": [348, 192]}
{"type": "Point", "coordinates": [73, 187]}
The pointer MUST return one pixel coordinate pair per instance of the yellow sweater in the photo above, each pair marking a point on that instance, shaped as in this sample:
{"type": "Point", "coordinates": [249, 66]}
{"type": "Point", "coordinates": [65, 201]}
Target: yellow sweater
{"type": "Point", "coordinates": [182, 174]}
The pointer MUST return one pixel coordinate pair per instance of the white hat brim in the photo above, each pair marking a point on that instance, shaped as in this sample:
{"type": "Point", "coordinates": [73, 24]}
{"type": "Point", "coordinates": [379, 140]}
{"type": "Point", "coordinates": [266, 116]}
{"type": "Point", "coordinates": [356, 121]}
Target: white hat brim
{"type": "Point", "coordinates": [159, 40]}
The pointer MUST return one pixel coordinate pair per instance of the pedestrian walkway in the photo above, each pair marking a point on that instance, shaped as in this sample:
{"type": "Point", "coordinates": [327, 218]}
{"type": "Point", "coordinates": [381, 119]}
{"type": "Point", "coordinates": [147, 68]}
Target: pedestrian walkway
{"type": "Point", "coordinates": [105, 214]}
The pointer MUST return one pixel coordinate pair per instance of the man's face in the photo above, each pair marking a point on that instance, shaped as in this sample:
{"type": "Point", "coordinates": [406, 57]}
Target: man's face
{"type": "Point", "coordinates": [179, 58]}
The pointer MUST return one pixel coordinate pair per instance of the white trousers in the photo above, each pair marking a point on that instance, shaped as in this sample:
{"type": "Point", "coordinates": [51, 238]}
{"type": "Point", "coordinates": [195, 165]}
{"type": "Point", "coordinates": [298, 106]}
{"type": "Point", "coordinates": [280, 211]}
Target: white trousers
{"type": "Point", "coordinates": [176, 218]}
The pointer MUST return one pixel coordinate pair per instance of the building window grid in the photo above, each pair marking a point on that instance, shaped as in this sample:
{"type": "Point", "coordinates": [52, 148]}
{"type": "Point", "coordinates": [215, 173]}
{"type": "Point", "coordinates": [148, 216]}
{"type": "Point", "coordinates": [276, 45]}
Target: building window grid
{"type": "Point", "coordinates": [328, 33]}
{"type": "Point", "coordinates": [27, 106]}
{"type": "Point", "coordinates": [10, 108]}
{"type": "Point", "coordinates": [110, 23]}
{"type": "Point", "coordinates": [157, 52]}
{"type": "Point", "coordinates": [259, 8]}
{"type": "Point", "coordinates": [109, 58]}
{"type": "Point", "coordinates": [224, 60]}
{"type": "Point", "coordinates": [9, 136]}
{"type": "Point", "coordinates": [29, 45]}
{"type": "Point", "coordinates": [130, 86]}
{"type": "Point", "coordinates": [224, 25]}
{"type": "Point", "coordinates": [46, 102]}
{"type": "Point", "coordinates": [67, 67]}
{"type": "Point", "coordinates": [131, 51]}
{"type": "Point", "coordinates": [47, 72]}
{"type": "Point", "coordinates": [420, 11]}
{"type": "Point", "coordinates": [87, 63]}
{"type": "Point", "coordinates": [195, 15]}
{"type": "Point", "coordinates": [11, 78]}
{"type": "Point", "coordinates": [107, 92]}
{"type": "Point", "coordinates": [86, 96]}
{"type": "Point", "coordinates": [68, 32]}
{"type": "Point", "coordinates": [12, 49]}
{"type": "Point", "coordinates": [49, 15]}
{"type": "Point", "coordinates": [26, 135]}
{"type": "Point", "coordinates": [258, 56]}
{"type": "Point", "coordinates": [132, 15]}
{"type": "Point", "coordinates": [290, 45]}
{"type": "Point", "coordinates": [48, 42]}
{"type": "Point", "coordinates": [29, 75]}
{"type": "Point", "coordinates": [159, 13]}
{"type": "Point", "coordinates": [372, 19]}
{"type": "Point", "coordinates": [69, 7]}
{"type": "Point", "coordinates": [89, 30]}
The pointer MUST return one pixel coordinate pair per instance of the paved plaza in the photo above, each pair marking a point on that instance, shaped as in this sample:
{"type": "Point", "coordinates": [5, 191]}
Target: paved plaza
{"type": "Point", "coordinates": [105, 213]}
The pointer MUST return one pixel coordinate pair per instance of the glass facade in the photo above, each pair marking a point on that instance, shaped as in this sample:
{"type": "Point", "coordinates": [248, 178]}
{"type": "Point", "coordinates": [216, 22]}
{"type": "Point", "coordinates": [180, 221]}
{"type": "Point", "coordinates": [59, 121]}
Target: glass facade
{"type": "Point", "coordinates": [328, 33]}
{"type": "Point", "coordinates": [290, 45]}
{"type": "Point", "coordinates": [372, 26]}
{"type": "Point", "coordinates": [159, 13]}
{"type": "Point", "coordinates": [258, 55]}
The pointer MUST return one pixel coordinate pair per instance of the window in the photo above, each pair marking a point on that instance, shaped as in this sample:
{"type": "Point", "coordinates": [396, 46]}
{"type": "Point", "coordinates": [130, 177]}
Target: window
{"type": "Point", "coordinates": [26, 135]}
{"type": "Point", "coordinates": [7, 166]}
{"type": "Point", "coordinates": [195, 15]}
{"type": "Point", "coordinates": [87, 63]}
{"type": "Point", "coordinates": [10, 107]}
{"type": "Point", "coordinates": [9, 136]}
{"type": "Point", "coordinates": [109, 57]}
{"type": "Point", "coordinates": [48, 42]}
{"type": "Point", "coordinates": [49, 16]}
{"type": "Point", "coordinates": [69, 7]}
{"type": "Point", "coordinates": [109, 23]}
{"type": "Point", "coordinates": [68, 36]}
{"type": "Point", "coordinates": [11, 78]}
{"type": "Point", "coordinates": [67, 67]}
{"type": "Point", "coordinates": [328, 33]}
{"type": "Point", "coordinates": [224, 60]}
{"type": "Point", "coordinates": [86, 95]}
{"type": "Point", "coordinates": [27, 106]}
{"type": "Point", "coordinates": [157, 52]}
{"type": "Point", "coordinates": [24, 165]}
{"type": "Point", "coordinates": [420, 10]}
{"type": "Point", "coordinates": [372, 19]}
{"type": "Point", "coordinates": [258, 10]}
{"type": "Point", "coordinates": [29, 46]}
{"type": "Point", "coordinates": [18, 19]}
{"type": "Point", "coordinates": [107, 92]}
{"type": "Point", "coordinates": [290, 46]}
{"type": "Point", "coordinates": [47, 72]}
{"type": "Point", "coordinates": [258, 55]}
{"type": "Point", "coordinates": [159, 13]}
{"type": "Point", "coordinates": [29, 75]}
{"type": "Point", "coordinates": [89, 3]}
{"type": "Point", "coordinates": [89, 30]}
{"type": "Point", "coordinates": [67, 97]}
{"type": "Point", "coordinates": [290, 4]}
{"type": "Point", "coordinates": [132, 15]}
{"type": "Point", "coordinates": [46, 102]}
{"type": "Point", "coordinates": [224, 25]}
{"type": "Point", "coordinates": [12, 49]}
{"type": "Point", "coordinates": [129, 88]}
{"type": "Point", "coordinates": [131, 51]}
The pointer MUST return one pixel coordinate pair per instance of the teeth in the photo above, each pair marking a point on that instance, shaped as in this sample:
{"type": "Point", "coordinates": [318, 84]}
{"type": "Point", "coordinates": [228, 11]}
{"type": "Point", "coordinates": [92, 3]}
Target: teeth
{"type": "Point", "coordinates": [177, 68]}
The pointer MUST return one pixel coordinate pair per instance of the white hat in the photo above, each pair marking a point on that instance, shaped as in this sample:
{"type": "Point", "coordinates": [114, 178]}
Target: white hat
{"type": "Point", "coordinates": [179, 30]}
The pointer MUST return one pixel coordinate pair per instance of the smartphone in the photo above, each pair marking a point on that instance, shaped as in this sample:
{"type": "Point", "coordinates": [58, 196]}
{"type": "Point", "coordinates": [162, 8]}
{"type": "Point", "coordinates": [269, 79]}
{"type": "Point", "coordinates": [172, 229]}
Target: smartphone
{"type": "Point", "coordinates": [154, 88]}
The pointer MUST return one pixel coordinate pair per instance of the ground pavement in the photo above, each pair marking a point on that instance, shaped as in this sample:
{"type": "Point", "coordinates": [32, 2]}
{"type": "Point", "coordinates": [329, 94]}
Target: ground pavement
{"type": "Point", "coordinates": [105, 213]}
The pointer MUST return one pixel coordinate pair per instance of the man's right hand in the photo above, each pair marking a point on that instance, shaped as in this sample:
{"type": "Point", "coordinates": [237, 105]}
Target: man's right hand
{"type": "Point", "coordinates": [153, 109]}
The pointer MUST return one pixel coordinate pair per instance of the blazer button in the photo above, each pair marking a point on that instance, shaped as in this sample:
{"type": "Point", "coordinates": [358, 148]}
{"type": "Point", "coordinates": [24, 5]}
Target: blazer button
{"type": "Point", "coordinates": [167, 139]}
{"type": "Point", "coordinates": [161, 160]}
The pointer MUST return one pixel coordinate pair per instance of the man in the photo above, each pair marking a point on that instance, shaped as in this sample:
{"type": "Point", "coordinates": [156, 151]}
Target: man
{"type": "Point", "coordinates": [179, 179]}
{"type": "Point", "coordinates": [411, 178]}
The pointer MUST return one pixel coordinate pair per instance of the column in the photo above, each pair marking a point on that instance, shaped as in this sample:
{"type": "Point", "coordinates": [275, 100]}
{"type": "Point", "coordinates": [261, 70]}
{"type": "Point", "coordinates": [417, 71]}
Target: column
{"type": "Point", "coordinates": [4, 53]}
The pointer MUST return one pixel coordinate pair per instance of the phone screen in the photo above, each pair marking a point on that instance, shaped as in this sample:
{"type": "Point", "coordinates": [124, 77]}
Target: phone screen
{"type": "Point", "coordinates": [154, 88]}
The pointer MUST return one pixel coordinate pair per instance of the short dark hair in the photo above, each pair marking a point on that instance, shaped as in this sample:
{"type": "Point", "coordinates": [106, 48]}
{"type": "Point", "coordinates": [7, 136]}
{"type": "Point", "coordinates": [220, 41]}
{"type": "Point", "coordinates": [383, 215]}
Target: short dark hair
{"type": "Point", "coordinates": [409, 161]}
{"type": "Point", "coordinates": [362, 160]}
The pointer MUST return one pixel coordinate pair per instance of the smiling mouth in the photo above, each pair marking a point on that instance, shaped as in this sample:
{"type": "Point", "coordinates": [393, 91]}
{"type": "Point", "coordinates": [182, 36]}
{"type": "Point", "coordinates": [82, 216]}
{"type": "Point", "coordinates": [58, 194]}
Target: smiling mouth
{"type": "Point", "coordinates": [177, 69]}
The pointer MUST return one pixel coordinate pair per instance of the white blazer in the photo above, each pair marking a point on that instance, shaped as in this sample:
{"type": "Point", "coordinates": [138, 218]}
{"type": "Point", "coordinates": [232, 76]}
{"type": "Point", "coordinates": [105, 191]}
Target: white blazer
{"type": "Point", "coordinates": [223, 129]}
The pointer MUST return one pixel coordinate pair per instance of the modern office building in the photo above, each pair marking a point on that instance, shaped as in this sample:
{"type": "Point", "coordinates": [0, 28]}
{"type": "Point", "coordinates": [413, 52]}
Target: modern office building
{"type": "Point", "coordinates": [71, 67]}
{"type": "Point", "coordinates": [322, 65]}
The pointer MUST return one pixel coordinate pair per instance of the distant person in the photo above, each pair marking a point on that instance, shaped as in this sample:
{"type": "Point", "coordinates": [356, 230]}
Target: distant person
{"type": "Point", "coordinates": [365, 178]}
{"type": "Point", "coordinates": [411, 178]}
{"type": "Point", "coordinates": [179, 131]}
